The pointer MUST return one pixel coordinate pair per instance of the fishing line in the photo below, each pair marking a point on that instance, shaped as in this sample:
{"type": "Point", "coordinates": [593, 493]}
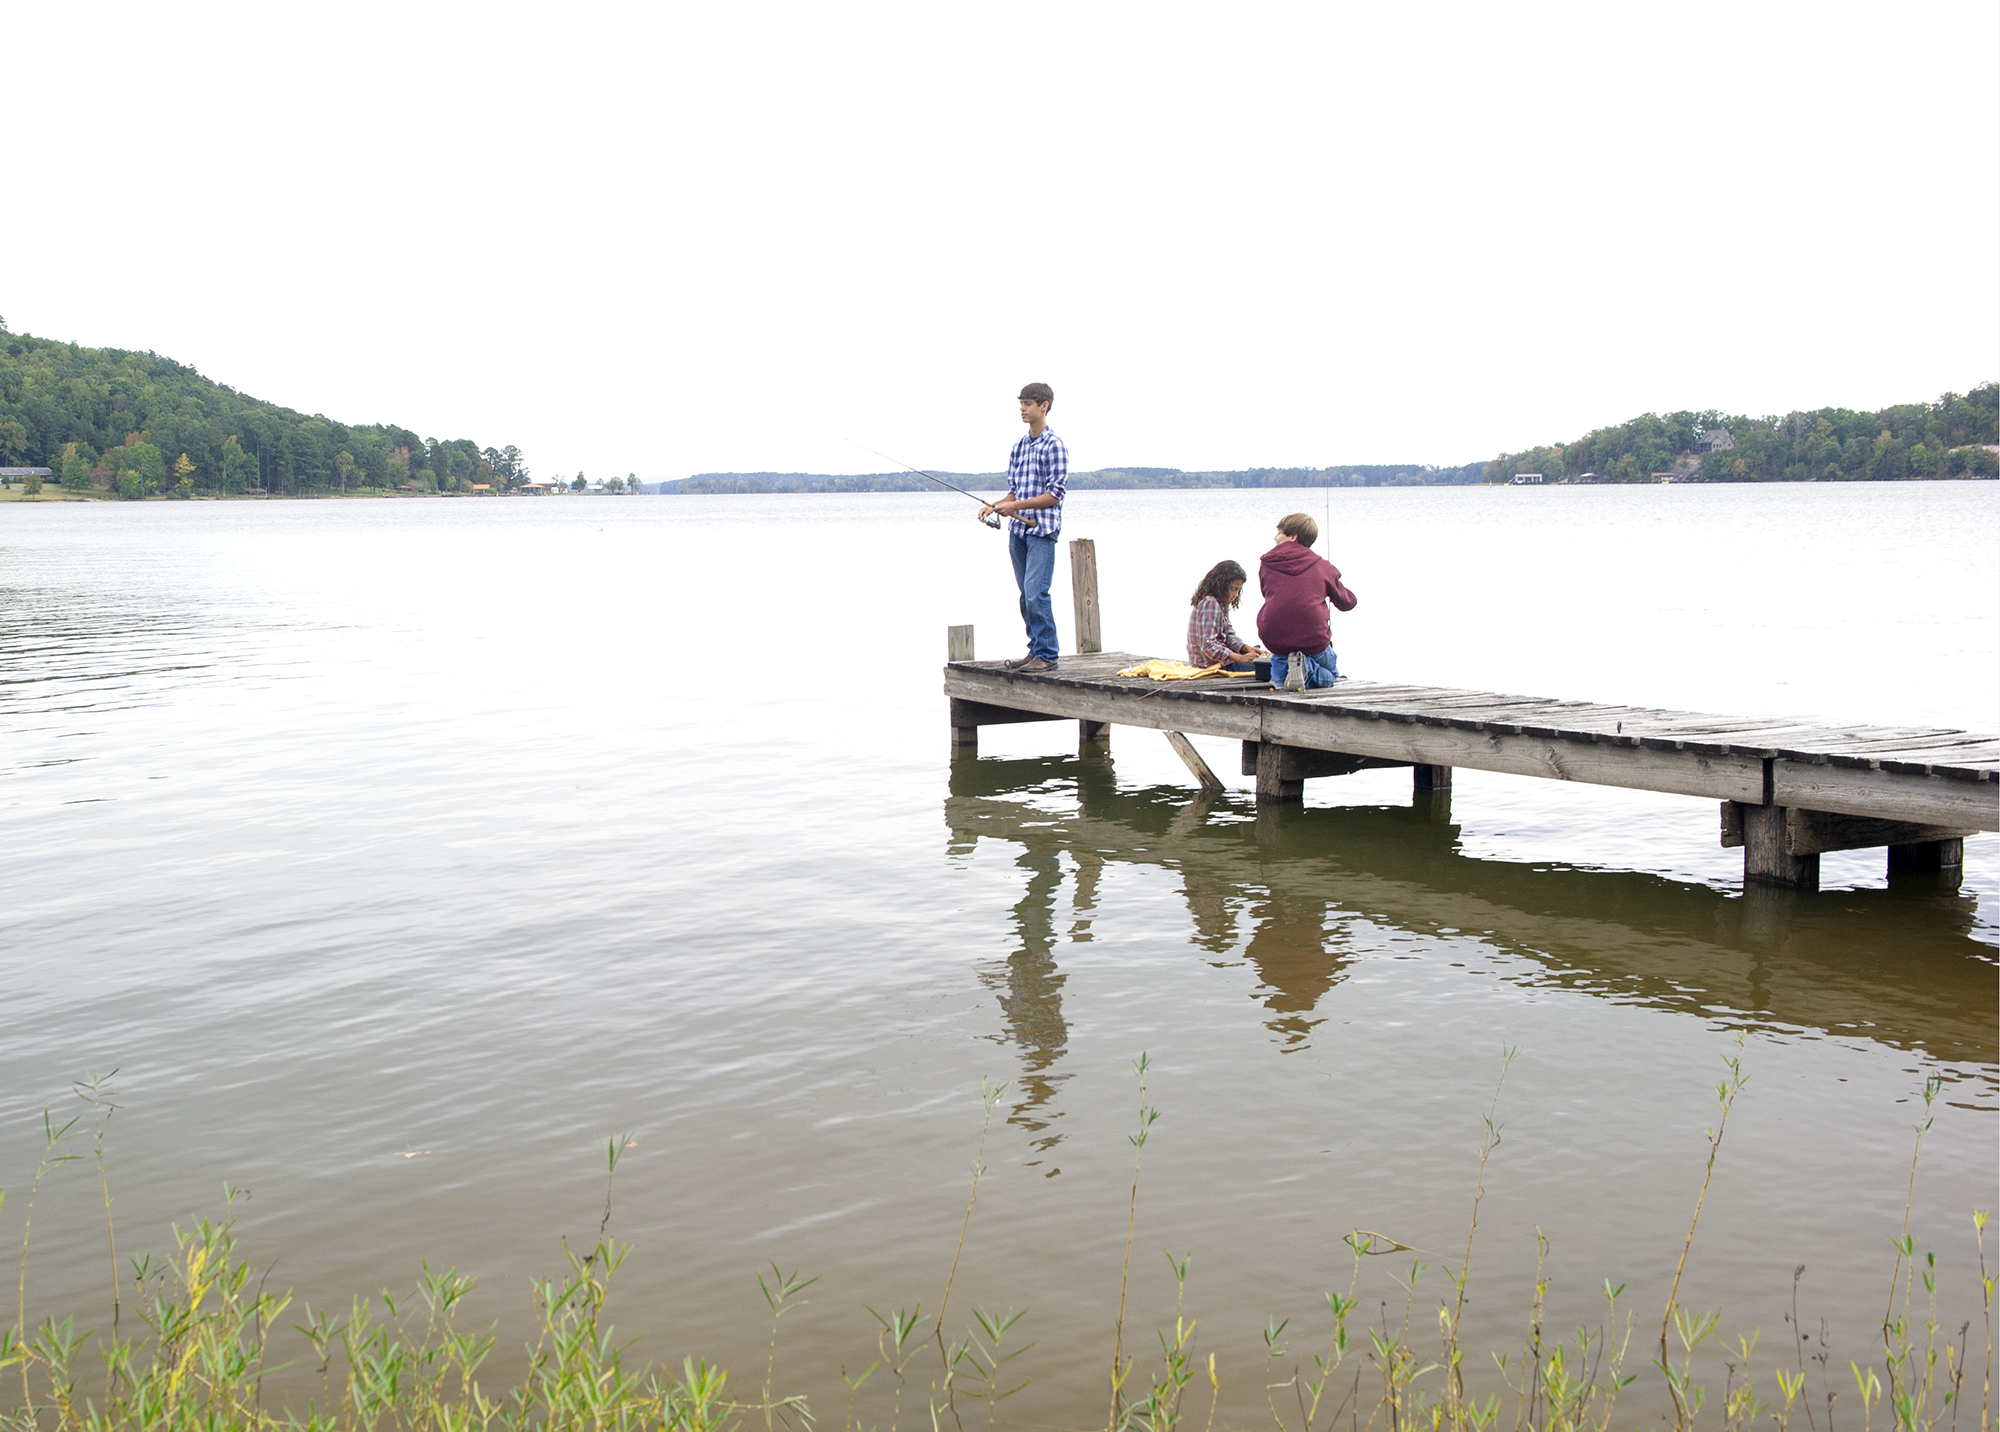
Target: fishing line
{"type": "Point", "coordinates": [993, 521]}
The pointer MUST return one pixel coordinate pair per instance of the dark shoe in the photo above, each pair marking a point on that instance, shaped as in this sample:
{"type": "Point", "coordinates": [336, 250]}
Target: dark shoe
{"type": "Point", "coordinates": [1015, 662]}
{"type": "Point", "coordinates": [1035, 663]}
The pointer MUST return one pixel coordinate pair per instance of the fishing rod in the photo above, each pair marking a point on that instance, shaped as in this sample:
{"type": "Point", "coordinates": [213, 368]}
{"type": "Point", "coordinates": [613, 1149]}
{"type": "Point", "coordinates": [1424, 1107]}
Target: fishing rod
{"type": "Point", "coordinates": [993, 521]}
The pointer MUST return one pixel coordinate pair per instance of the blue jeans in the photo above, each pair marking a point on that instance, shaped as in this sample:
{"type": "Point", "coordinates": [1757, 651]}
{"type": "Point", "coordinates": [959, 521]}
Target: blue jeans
{"type": "Point", "coordinates": [1034, 568]}
{"type": "Point", "coordinates": [1321, 670]}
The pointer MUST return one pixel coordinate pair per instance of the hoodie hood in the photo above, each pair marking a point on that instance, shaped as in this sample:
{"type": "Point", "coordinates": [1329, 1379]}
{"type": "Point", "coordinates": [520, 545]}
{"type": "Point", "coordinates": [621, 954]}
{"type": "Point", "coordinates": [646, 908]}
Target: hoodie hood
{"type": "Point", "coordinates": [1291, 558]}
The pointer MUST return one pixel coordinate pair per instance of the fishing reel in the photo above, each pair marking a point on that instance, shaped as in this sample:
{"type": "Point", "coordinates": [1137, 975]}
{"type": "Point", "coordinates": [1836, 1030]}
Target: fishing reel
{"type": "Point", "coordinates": [994, 520]}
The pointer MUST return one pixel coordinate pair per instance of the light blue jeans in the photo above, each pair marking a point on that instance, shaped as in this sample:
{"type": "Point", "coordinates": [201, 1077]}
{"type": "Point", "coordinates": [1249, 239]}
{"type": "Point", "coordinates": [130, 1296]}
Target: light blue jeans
{"type": "Point", "coordinates": [1034, 568]}
{"type": "Point", "coordinates": [1321, 670]}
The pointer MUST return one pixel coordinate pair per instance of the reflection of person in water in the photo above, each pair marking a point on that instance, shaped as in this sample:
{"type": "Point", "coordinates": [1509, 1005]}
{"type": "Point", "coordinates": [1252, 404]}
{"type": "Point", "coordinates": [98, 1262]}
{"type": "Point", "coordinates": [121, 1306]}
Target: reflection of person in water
{"type": "Point", "coordinates": [1906, 967]}
{"type": "Point", "coordinates": [1288, 947]}
{"type": "Point", "coordinates": [1290, 952]}
{"type": "Point", "coordinates": [1031, 991]}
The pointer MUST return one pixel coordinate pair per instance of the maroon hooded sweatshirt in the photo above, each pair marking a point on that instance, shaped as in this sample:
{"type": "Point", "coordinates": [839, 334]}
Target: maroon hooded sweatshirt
{"type": "Point", "coordinates": [1297, 584]}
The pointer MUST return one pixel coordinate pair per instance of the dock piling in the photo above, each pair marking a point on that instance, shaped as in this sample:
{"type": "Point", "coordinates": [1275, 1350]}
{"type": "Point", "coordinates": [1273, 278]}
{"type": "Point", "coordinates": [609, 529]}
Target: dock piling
{"type": "Point", "coordinates": [958, 647]}
{"type": "Point", "coordinates": [1275, 784]}
{"type": "Point", "coordinates": [1425, 779]}
{"type": "Point", "coordinates": [1768, 858]}
{"type": "Point", "coordinates": [1941, 863]}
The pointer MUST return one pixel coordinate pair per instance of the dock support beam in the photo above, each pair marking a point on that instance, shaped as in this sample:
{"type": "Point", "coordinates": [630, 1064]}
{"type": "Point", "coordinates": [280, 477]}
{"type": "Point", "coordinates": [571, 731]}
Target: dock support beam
{"type": "Point", "coordinates": [1197, 767]}
{"type": "Point", "coordinates": [1939, 864]}
{"type": "Point", "coordinates": [1275, 785]}
{"type": "Point", "coordinates": [1092, 736]}
{"type": "Point", "coordinates": [1767, 856]}
{"type": "Point", "coordinates": [1426, 779]}
{"type": "Point", "coordinates": [1782, 844]}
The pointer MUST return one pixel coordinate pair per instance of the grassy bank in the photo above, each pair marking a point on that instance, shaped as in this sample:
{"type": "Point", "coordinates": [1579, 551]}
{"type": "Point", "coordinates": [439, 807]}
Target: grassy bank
{"type": "Point", "coordinates": [191, 1338]}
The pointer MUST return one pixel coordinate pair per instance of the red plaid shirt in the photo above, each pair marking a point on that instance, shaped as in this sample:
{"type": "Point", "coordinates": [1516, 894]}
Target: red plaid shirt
{"type": "Point", "coordinates": [1210, 637]}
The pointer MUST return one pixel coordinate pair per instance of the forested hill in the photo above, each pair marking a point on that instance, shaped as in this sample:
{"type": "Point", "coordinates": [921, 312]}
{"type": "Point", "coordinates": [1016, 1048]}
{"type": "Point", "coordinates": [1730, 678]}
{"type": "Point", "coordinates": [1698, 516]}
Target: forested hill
{"type": "Point", "coordinates": [1949, 438]}
{"type": "Point", "coordinates": [96, 416]}
{"type": "Point", "coordinates": [1391, 475]}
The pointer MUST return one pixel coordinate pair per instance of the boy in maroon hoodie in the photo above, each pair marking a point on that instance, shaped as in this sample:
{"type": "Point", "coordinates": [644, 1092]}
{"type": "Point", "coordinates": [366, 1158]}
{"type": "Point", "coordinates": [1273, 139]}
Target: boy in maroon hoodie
{"type": "Point", "coordinates": [1297, 585]}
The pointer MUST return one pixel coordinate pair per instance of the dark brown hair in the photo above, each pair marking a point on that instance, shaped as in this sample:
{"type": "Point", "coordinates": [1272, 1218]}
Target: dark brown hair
{"type": "Point", "coordinates": [1299, 525]}
{"type": "Point", "coordinates": [1039, 393]}
{"type": "Point", "coordinates": [1216, 584]}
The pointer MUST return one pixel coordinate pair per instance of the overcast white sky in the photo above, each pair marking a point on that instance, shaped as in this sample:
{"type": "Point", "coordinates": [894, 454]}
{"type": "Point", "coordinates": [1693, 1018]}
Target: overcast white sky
{"type": "Point", "coordinates": [672, 238]}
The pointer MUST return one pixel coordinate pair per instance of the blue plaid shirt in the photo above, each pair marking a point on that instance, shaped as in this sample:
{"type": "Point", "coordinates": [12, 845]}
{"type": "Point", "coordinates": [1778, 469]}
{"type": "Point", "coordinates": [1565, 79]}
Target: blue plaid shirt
{"type": "Point", "coordinates": [1036, 466]}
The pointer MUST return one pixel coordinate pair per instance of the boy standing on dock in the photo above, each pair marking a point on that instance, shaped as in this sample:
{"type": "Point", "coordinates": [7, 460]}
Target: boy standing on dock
{"type": "Point", "coordinates": [1037, 478]}
{"type": "Point", "coordinates": [1297, 585]}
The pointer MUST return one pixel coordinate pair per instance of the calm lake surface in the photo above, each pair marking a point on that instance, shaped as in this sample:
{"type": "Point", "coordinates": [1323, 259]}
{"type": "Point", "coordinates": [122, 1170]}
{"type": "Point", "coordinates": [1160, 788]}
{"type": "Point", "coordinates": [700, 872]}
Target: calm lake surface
{"type": "Point", "coordinates": [398, 854]}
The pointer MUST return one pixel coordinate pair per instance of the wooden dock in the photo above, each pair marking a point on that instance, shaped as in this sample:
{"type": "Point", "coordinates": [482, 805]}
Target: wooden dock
{"type": "Point", "coordinates": [1789, 790]}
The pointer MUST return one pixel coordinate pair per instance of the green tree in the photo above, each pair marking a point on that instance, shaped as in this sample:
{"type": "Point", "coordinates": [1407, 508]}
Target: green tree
{"type": "Point", "coordinates": [343, 467]}
{"type": "Point", "coordinates": [31, 485]}
{"type": "Point", "coordinates": [579, 484]}
{"type": "Point", "coordinates": [238, 466]}
{"type": "Point", "coordinates": [183, 476]}
{"type": "Point", "coordinates": [78, 462]}
{"type": "Point", "coordinates": [141, 457]}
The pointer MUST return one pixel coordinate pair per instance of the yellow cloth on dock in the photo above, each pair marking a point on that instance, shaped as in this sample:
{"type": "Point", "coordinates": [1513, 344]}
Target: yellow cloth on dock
{"type": "Point", "coordinates": [1161, 670]}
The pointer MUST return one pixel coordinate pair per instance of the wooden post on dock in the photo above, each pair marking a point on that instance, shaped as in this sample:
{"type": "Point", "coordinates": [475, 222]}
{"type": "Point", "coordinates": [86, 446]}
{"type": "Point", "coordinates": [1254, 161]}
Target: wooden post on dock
{"type": "Point", "coordinates": [958, 647]}
{"type": "Point", "coordinates": [1083, 586]}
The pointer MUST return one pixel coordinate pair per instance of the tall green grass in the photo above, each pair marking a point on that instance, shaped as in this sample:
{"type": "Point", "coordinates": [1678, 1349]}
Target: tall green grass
{"type": "Point", "coordinates": [206, 1335]}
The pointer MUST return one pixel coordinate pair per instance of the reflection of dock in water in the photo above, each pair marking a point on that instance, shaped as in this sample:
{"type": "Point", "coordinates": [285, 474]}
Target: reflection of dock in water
{"type": "Point", "coordinates": [1896, 966]}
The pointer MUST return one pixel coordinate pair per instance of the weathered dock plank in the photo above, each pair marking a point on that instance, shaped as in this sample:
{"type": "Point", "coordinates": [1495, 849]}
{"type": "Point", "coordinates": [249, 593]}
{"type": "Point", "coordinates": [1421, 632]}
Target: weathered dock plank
{"type": "Point", "coordinates": [1926, 780]}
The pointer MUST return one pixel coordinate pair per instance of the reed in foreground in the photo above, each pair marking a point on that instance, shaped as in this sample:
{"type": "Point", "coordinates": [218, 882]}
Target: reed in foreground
{"type": "Point", "coordinates": [204, 1344]}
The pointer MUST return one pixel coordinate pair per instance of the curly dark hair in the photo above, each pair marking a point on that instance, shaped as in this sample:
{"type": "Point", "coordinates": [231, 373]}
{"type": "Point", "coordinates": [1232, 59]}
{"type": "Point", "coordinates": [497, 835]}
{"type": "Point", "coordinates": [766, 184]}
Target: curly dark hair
{"type": "Point", "coordinates": [1216, 584]}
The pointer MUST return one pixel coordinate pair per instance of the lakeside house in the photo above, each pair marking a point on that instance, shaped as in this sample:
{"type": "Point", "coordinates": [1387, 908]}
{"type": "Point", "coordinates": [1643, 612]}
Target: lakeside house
{"type": "Point", "coordinates": [538, 489]}
{"type": "Point", "coordinates": [1717, 440]}
{"type": "Point", "coordinates": [10, 475]}
{"type": "Point", "coordinates": [1527, 479]}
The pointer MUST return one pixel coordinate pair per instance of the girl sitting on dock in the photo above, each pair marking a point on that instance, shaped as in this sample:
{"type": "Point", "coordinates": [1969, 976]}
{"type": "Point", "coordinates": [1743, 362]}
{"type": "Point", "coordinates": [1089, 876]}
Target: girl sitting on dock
{"type": "Point", "coordinates": [1211, 640]}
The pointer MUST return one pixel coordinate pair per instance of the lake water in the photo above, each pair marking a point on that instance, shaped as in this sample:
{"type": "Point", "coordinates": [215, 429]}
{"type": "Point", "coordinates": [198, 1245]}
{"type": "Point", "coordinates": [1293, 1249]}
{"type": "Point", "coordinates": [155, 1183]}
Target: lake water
{"type": "Point", "coordinates": [398, 854]}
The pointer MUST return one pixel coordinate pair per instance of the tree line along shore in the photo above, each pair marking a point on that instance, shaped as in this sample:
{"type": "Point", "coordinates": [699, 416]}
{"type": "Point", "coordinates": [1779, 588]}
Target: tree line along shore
{"type": "Point", "coordinates": [105, 422]}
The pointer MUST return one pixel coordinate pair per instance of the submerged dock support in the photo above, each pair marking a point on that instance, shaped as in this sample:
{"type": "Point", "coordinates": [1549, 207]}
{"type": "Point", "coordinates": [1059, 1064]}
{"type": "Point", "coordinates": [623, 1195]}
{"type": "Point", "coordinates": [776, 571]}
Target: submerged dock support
{"type": "Point", "coordinates": [1767, 859]}
{"type": "Point", "coordinates": [1276, 785]}
{"type": "Point", "coordinates": [1282, 771]}
{"type": "Point", "coordinates": [1426, 779]}
{"type": "Point", "coordinates": [1782, 844]}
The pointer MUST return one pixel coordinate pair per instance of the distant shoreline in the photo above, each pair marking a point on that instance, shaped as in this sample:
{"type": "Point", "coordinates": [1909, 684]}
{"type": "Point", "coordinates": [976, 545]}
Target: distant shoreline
{"type": "Point", "coordinates": [58, 494]}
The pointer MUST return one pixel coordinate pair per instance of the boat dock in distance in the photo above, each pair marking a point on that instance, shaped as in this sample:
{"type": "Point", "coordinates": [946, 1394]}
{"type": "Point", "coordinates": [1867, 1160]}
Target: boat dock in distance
{"type": "Point", "coordinates": [1788, 790]}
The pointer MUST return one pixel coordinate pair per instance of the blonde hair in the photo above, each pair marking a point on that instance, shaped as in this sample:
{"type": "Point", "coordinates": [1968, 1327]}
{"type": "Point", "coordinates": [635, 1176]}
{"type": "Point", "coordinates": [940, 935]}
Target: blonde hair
{"type": "Point", "coordinates": [1301, 526]}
